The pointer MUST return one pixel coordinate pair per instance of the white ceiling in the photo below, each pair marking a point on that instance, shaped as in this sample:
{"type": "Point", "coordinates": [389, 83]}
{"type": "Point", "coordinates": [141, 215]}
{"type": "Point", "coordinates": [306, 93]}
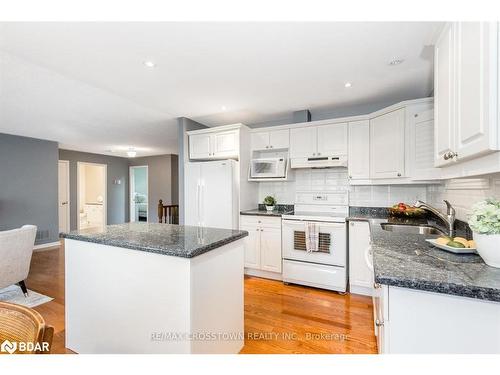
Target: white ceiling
{"type": "Point", "coordinates": [85, 85]}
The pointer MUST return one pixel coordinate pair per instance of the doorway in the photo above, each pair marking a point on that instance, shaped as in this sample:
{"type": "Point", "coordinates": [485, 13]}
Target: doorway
{"type": "Point", "coordinates": [139, 193]}
{"type": "Point", "coordinates": [91, 195]}
{"type": "Point", "coordinates": [63, 193]}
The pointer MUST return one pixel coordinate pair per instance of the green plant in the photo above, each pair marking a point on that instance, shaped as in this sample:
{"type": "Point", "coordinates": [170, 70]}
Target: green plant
{"type": "Point", "coordinates": [485, 218]}
{"type": "Point", "coordinates": [269, 200]}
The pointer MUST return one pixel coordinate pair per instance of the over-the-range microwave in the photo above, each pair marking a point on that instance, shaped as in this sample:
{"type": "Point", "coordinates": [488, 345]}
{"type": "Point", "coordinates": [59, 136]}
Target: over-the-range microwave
{"type": "Point", "coordinates": [268, 168]}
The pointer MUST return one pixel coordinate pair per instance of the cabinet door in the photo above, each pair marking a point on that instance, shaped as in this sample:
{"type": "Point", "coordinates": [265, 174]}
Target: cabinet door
{"type": "Point", "coordinates": [226, 144]}
{"type": "Point", "coordinates": [475, 81]}
{"type": "Point", "coordinates": [259, 140]}
{"type": "Point", "coordinates": [303, 142]}
{"type": "Point", "coordinates": [332, 139]}
{"type": "Point", "coordinates": [358, 159]}
{"type": "Point", "coordinates": [360, 274]}
{"type": "Point", "coordinates": [199, 146]}
{"type": "Point", "coordinates": [270, 249]}
{"type": "Point", "coordinates": [279, 139]}
{"type": "Point", "coordinates": [422, 146]}
{"type": "Point", "coordinates": [387, 145]}
{"type": "Point", "coordinates": [444, 95]}
{"type": "Point", "coordinates": [252, 246]}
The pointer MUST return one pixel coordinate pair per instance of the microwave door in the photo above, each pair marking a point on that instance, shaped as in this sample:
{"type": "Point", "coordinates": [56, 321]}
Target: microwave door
{"type": "Point", "coordinates": [262, 168]}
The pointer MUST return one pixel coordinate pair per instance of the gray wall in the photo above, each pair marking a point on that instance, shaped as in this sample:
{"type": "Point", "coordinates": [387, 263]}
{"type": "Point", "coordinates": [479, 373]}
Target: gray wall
{"type": "Point", "coordinates": [160, 181]}
{"type": "Point", "coordinates": [28, 185]}
{"type": "Point", "coordinates": [175, 178]}
{"type": "Point", "coordinates": [117, 195]}
{"type": "Point", "coordinates": [185, 125]}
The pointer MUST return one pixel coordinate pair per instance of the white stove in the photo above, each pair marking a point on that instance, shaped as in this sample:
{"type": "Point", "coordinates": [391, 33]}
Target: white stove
{"type": "Point", "coordinates": [325, 268]}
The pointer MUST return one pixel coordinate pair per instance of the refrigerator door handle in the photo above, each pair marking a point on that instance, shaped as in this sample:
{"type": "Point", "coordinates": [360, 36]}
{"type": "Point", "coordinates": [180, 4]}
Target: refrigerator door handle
{"type": "Point", "coordinates": [201, 202]}
{"type": "Point", "coordinates": [198, 188]}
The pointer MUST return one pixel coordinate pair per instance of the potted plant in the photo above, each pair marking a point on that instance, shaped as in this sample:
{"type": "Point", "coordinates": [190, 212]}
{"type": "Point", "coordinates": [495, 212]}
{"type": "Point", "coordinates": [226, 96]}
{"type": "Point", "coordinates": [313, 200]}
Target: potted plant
{"type": "Point", "coordinates": [270, 202]}
{"type": "Point", "coordinates": [485, 223]}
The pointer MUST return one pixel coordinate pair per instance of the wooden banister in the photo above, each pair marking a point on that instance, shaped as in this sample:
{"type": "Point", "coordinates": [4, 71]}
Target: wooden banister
{"type": "Point", "coordinates": [168, 214]}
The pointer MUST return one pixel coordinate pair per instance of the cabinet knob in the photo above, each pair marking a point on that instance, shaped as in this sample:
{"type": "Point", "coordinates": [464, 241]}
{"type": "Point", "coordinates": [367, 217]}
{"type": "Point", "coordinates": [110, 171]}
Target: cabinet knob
{"type": "Point", "coordinates": [267, 146]}
{"type": "Point", "coordinates": [399, 174]}
{"type": "Point", "coordinates": [257, 229]}
{"type": "Point", "coordinates": [314, 154]}
{"type": "Point", "coordinates": [271, 146]}
{"type": "Point", "coordinates": [319, 153]}
{"type": "Point", "coordinates": [379, 323]}
{"type": "Point", "coordinates": [350, 176]}
{"type": "Point", "coordinates": [262, 230]}
{"type": "Point", "coordinates": [377, 286]}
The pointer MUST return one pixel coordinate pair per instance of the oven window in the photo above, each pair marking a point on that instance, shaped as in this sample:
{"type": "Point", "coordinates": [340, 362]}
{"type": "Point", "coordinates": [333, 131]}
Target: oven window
{"type": "Point", "coordinates": [299, 241]}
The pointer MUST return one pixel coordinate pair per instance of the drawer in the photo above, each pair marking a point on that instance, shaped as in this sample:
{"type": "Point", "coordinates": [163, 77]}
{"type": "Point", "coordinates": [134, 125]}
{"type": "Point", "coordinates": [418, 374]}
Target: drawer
{"type": "Point", "coordinates": [267, 222]}
{"type": "Point", "coordinates": [315, 275]}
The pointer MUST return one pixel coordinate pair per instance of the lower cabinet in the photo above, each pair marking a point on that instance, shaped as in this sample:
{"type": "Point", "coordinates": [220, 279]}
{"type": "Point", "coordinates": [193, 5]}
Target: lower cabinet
{"type": "Point", "coordinates": [409, 321]}
{"type": "Point", "coordinates": [263, 244]}
{"type": "Point", "coordinates": [360, 258]}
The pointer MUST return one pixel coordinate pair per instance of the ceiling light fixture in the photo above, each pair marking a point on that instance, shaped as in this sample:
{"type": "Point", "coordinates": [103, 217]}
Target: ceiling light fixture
{"type": "Point", "coordinates": [348, 84]}
{"type": "Point", "coordinates": [223, 108]}
{"type": "Point", "coordinates": [396, 61]}
{"type": "Point", "coordinates": [131, 153]}
{"type": "Point", "coordinates": [149, 64]}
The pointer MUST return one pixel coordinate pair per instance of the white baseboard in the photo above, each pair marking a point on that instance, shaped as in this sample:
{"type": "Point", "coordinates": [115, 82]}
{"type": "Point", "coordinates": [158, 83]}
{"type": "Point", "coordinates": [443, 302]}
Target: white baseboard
{"type": "Point", "coordinates": [46, 246]}
{"type": "Point", "coordinates": [264, 274]}
{"type": "Point", "coordinates": [362, 290]}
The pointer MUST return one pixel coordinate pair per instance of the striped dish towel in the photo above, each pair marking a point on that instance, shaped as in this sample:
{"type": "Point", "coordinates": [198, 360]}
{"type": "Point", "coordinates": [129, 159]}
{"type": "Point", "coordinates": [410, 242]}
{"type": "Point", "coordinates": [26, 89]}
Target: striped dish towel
{"type": "Point", "coordinates": [312, 237]}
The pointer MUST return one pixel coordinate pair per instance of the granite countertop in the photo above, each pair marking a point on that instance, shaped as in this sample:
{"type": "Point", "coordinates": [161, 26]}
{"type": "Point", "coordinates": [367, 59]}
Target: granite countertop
{"type": "Point", "coordinates": [408, 261]}
{"type": "Point", "coordinates": [166, 239]}
{"type": "Point", "coordinates": [281, 209]}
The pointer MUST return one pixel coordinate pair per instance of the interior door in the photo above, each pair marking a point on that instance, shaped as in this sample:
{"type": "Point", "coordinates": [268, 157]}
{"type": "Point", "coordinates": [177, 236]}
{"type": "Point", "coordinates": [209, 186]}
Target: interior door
{"type": "Point", "coordinates": [63, 192]}
{"type": "Point", "coordinates": [332, 139]}
{"type": "Point", "coordinates": [303, 142]}
{"type": "Point", "coordinates": [216, 206]}
{"type": "Point", "coordinates": [387, 145]}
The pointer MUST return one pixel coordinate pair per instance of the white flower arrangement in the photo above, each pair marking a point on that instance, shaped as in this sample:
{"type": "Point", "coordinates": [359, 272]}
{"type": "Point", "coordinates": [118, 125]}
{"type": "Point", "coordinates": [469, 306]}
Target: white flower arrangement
{"type": "Point", "coordinates": [485, 218]}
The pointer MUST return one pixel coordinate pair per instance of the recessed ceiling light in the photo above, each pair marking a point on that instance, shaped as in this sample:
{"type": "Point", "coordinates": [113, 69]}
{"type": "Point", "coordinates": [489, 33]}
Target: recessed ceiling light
{"type": "Point", "coordinates": [223, 108]}
{"type": "Point", "coordinates": [396, 61]}
{"type": "Point", "coordinates": [348, 84]}
{"type": "Point", "coordinates": [131, 153]}
{"type": "Point", "coordinates": [149, 64]}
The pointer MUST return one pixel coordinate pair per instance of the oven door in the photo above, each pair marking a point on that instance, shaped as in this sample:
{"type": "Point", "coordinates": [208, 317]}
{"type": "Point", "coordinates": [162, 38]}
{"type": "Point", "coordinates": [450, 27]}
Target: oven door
{"type": "Point", "coordinates": [332, 243]}
{"type": "Point", "coordinates": [267, 168]}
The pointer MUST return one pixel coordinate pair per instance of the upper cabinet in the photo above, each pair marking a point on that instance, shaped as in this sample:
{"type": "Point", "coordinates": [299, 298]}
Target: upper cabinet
{"type": "Point", "coordinates": [387, 145]}
{"type": "Point", "coordinates": [465, 84]}
{"type": "Point", "coordinates": [314, 141]}
{"type": "Point", "coordinates": [270, 140]}
{"type": "Point", "coordinates": [215, 143]}
{"type": "Point", "coordinates": [358, 162]}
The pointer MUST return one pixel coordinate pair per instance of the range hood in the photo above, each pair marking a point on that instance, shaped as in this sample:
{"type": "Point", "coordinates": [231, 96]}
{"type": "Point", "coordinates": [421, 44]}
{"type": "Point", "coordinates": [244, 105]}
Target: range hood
{"type": "Point", "coordinates": [319, 162]}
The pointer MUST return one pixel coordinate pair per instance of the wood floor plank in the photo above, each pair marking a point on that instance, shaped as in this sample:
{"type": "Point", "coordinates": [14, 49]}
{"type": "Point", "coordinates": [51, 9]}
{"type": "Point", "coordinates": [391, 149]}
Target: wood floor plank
{"type": "Point", "coordinates": [279, 319]}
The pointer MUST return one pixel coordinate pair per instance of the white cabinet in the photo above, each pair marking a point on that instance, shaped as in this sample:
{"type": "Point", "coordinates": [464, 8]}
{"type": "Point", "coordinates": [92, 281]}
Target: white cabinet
{"type": "Point", "coordinates": [263, 245]}
{"type": "Point", "coordinates": [265, 140]}
{"type": "Point", "coordinates": [214, 145]}
{"type": "Point", "coordinates": [387, 145]}
{"type": "Point", "coordinates": [360, 273]}
{"type": "Point", "coordinates": [466, 70]}
{"type": "Point", "coordinates": [314, 141]}
{"type": "Point", "coordinates": [359, 150]}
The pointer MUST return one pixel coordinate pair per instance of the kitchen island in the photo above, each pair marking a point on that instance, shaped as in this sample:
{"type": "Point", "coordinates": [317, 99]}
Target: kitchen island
{"type": "Point", "coordinates": [154, 288]}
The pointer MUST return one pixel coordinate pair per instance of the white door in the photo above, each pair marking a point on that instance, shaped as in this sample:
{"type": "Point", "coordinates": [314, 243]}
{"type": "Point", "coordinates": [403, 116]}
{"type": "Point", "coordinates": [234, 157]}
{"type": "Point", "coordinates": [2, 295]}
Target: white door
{"type": "Point", "coordinates": [63, 191]}
{"type": "Point", "coordinates": [138, 177]}
{"type": "Point", "coordinates": [192, 172]}
{"type": "Point", "coordinates": [359, 249]}
{"type": "Point", "coordinates": [259, 140]}
{"type": "Point", "coordinates": [358, 160]}
{"type": "Point", "coordinates": [279, 139]}
{"type": "Point", "coordinates": [303, 142]}
{"type": "Point", "coordinates": [199, 146]}
{"type": "Point", "coordinates": [216, 205]}
{"type": "Point", "coordinates": [270, 249]}
{"type": "Point", "coordinates": [252, 246]}
{"type": "Point", "coordinates": [332, 139]}
{"type": "Point", "coordinates": [226, 144]}
{"type": "Point", "coordinates": [387, 145]}
{"type": "Point", "coordinates": [444, 95]}
{"type": "Point", "coordinates": [476, 86]}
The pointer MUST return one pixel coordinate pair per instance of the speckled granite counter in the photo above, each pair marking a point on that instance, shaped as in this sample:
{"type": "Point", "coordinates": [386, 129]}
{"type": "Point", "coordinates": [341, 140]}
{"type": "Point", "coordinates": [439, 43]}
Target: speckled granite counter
{"type": "Point", "coordinates": [281, 209]}
{"type": "Point", "coordinates": [407, 260]}
{"type": "Point", "coordinates": [166, 239]}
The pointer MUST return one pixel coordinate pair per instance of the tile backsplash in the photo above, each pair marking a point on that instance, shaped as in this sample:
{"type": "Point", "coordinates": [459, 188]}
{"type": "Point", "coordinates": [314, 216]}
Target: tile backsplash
{"type": "Point", "coordinates": [386, 195]}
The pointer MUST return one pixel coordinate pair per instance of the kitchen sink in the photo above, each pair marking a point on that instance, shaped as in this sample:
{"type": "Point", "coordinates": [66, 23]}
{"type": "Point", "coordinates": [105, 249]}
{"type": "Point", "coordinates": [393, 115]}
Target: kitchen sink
{"type": "Point", "coordinates": [413, 229]}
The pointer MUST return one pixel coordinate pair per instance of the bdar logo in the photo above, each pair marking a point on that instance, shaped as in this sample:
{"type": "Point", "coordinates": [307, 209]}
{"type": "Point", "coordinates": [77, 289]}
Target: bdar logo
{"type": "Point", "coordinates": [9, 347]}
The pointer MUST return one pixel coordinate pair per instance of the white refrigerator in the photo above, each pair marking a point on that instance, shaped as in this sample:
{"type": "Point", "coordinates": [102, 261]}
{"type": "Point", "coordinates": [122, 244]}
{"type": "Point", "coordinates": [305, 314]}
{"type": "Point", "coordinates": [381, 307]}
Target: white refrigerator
{"type": "Point", "coordinates": [211, 198]}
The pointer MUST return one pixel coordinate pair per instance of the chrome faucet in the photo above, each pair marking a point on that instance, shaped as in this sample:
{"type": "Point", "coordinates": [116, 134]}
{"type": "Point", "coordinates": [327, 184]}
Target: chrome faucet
{"type": "Point", "coordinates": [448, 219]}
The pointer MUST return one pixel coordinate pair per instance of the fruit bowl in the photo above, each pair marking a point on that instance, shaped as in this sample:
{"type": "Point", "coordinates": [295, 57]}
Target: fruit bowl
{"type": "Point", "coordinates": [404, 210]}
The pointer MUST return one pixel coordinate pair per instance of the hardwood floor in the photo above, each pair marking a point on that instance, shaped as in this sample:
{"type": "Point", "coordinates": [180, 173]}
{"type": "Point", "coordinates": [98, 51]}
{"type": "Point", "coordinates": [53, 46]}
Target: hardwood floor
{"type": "Point", "coordinates": [279, 318]}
